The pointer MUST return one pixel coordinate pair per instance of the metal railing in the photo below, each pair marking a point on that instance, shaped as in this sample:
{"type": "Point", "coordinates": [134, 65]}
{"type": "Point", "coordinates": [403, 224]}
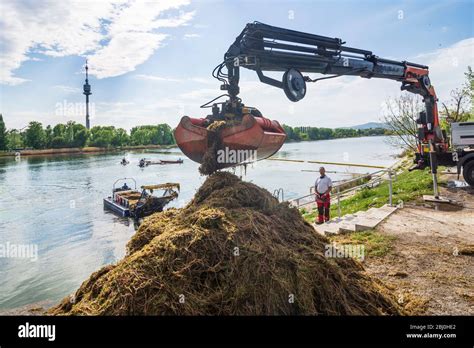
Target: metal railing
{"type": "Point", "coordinates": [276, 194]}
{"type": "Point", "coordinates": [340, 194]}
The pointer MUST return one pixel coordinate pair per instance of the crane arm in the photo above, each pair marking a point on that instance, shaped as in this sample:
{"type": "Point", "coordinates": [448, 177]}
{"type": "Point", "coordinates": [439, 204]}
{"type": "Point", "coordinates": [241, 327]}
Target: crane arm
{"type": "Point", "coordinates": [262, 47]}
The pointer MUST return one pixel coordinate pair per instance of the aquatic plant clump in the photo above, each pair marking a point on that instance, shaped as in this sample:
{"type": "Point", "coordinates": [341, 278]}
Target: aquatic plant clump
{"type": "Point", "coordinates": [209, 161]}
{"type": "Point", "coordinates": [233, 250]}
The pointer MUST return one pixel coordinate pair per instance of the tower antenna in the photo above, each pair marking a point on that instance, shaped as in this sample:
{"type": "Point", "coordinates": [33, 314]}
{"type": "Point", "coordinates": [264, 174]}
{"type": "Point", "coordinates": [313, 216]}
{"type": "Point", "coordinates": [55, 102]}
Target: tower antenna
{"type": "Point", "coordinates": [87, 92]}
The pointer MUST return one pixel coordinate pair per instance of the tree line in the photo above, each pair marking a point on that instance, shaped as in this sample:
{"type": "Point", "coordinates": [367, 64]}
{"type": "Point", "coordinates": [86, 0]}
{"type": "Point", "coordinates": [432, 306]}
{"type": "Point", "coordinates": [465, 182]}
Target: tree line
{"type": "Point", "coordinates": [72, 134]}
{"type": "Point", "coordinates": [315, 133]}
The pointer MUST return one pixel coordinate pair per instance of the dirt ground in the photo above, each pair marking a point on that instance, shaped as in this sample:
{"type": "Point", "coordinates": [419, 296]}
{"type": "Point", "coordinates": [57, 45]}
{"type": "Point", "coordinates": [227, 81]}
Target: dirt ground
{"type": "Point", "coordinates": [431, 265]}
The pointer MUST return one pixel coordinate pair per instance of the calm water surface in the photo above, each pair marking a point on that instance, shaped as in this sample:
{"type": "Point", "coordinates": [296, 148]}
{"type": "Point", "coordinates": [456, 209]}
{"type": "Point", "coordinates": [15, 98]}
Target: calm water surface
{"type": "Point", "coordinates": [55, 203]}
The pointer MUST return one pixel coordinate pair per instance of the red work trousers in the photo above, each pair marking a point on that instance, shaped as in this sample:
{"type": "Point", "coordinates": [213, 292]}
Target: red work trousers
{"type": "Point", "coordinates": [324, 203]}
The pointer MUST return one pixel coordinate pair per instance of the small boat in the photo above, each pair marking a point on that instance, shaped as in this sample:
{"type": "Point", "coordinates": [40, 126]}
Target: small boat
{"type": "Point", "coordinates": [178, 161]}
{"type": "Point", "coordinates": [145, 163]}
{"type": "Point", "coordinates": [127, 202]}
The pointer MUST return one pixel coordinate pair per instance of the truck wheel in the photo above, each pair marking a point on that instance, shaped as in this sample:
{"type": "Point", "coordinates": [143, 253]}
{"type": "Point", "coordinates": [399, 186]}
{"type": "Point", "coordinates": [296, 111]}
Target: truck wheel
{"type": "Point", "coordinates": [468, 173]}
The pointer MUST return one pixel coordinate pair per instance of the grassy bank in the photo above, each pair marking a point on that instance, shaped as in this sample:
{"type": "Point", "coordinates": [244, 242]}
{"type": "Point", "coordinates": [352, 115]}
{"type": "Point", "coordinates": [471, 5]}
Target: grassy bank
{"type": "Point", "coordinates": [408, 186]}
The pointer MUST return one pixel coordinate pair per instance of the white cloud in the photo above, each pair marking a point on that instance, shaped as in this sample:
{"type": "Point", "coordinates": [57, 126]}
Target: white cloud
{"type": "Point", "coordinates": [117, 35]}
{"type": "Point", "coordinates": [156, 78]}
{"type": "Point", "coordinates": [68, 89]}
{"type": "Point", "coordinates": [124, 52]}
{"type": "Point", "coordinates": [448, 65]}
{"type": "Point", "coordinates": [203, 80]}
{"type": "Point", "coordinates": [191, 36]}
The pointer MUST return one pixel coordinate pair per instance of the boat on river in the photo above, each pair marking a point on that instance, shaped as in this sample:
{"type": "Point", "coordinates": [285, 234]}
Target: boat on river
{"type": "Point", "coordinates": [128, 202]}
{"type": "Point", "coordinates": [178, 161]}
{"type": "Point", "coordinates": [145, 163]}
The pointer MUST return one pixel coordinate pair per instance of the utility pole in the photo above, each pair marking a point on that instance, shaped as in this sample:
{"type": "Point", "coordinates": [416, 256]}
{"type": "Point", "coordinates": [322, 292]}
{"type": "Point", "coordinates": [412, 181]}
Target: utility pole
{"type": "Point", "coordinates": [87, 93]}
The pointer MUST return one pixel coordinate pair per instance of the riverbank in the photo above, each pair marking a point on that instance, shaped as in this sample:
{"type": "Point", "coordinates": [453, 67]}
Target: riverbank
{"type": "Point", "coordinates": [407, 186]}
{"type": "Point", "coordinates": [79, 150]}
{"type": "Point", "coordinates": [424, 250]}
{"type": "Point", "coordinates": [424, 253]}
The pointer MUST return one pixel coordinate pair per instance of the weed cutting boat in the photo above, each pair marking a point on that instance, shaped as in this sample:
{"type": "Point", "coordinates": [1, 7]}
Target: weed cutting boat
{"type": "Point", "coordinates": [145, 163]}
{"type": "Point", "coordinates": [128, 202]}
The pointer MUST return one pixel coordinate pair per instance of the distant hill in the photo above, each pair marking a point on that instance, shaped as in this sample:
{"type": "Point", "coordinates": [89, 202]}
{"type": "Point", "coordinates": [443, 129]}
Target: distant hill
{"type": "Point", "coordinates": [370, 125]}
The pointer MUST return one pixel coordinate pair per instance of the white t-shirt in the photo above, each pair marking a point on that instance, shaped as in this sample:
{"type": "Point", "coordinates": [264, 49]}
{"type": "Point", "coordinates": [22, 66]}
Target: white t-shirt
{"type": "Point", "coordinates": [323, 184]}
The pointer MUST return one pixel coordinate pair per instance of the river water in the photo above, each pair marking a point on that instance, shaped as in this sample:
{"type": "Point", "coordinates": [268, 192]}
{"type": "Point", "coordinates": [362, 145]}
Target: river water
{"type": "Point", "coordinates": [53, 204]}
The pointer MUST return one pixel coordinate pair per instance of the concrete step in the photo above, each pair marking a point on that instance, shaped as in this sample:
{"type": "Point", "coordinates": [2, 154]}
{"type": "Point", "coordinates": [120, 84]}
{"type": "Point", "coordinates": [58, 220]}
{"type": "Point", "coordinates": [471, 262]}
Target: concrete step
{"type": "Point", "coordinates": [360, 221]}
{"type": "Point", "coordinates": [366, 223]}
{"type": "Point", "coordinates": [380, 213]}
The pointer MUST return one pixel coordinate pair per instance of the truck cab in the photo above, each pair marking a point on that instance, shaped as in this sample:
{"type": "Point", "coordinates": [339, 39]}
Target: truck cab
{"type": "Point", "coordinates": [462, 142]}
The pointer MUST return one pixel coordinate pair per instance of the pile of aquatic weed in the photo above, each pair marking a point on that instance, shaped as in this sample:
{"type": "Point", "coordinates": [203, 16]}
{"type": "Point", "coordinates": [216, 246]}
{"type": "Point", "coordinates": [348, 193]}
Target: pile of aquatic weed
{"type": "Point", "coordinates": [233, 250]}
{"type": "Point", "coordinates": [209, 160]}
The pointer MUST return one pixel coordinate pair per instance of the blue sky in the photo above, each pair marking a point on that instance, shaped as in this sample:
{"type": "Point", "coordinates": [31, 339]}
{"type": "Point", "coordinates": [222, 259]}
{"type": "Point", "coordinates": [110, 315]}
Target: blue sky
{"type": "Point", "coordinates": [151, 62]}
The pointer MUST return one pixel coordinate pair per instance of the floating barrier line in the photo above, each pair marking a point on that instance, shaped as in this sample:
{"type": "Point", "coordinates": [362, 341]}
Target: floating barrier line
{"type": "Point", "coordinates": [332, 163]}
{"type": "Point", "coordinates": [285, 160]}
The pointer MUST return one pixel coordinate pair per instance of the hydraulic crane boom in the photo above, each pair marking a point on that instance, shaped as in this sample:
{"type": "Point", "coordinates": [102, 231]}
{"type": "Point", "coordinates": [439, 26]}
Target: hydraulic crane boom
{"type": "Point", "coordinates": [262, 47]}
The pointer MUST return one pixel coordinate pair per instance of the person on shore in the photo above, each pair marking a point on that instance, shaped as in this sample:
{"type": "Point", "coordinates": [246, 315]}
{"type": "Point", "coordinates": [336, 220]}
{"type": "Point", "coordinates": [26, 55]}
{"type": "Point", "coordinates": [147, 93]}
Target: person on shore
{"type": "Point", "coordinates": [323, 186]}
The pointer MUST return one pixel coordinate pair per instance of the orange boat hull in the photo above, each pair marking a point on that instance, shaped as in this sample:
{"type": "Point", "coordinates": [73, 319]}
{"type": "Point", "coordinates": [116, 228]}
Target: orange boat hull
{"type": "Point", "coordinates": [261, 136]}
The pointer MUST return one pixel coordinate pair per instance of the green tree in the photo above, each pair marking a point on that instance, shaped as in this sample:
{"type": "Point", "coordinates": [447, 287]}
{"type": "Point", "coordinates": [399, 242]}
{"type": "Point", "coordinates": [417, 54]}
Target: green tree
{"type": "Point", "coordinates": [166, 134]}
{"type": "Point", "coordinates": [14, 139]}
{"type": "Point", "coordinates": [140, 136]}
{"type": "Point", "coordinates": [35, 135]}
{"type": "Point", "coordinates": [3, 134]}
{"type": "Point", "coordinates": [120, 137]}
{"type": "Point", "coordinates": [58, 142]}
{"type": "Point", "coordinates": [313, 133]}
{"type": "Point", "coordinates": [297, 133]}
{"type": "Point", "coordinates": [400, 117]}
{"type": "Point", "coordinates": [101, 136]}
{"type": "Point", "coordinates": [344, 133]}
{"type": "Point", "coordinates": [79, 133]}
{"type": "Point", "coordinates": [69, 133]}
{"type": "Point", "coordinates": [59, 130]}
{"type": "Point", "coordinates": [325, 133]}
{"type": "Point", "coordinates": [48, 132]}
{"type": "Point", "coordinates": [469, 86]}
{"type": "Point", "coordinates": [80, 137]}
{"type": "Point", "coordinates": [160, 134]}
{"type": "Point", "coordinates": [459, 108]}
{"type": "Point", "coordinates": [289, 132]}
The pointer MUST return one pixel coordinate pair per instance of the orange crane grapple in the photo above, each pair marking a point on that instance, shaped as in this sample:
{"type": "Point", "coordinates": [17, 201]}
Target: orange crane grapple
{"type": "Point", "coordinates": [262, 47]}
{"type": "Point", "coordinates": [258, 134]}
